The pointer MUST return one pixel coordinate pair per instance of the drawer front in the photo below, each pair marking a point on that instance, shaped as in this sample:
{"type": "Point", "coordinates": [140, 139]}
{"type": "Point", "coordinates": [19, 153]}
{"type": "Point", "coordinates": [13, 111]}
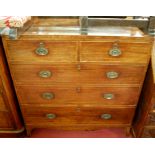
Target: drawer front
{"type": "Point", "coordinates": [77, 115]}
{"type": "Point", "coordinates": [109, 52]}
{"type": "Point", "coordinates": [35, 51]}
{"type": "Point", "coordinates": [5, 121]}
{"type": "Point", "coordinates": [50, 95]}
{"type": "Point", "coordinates": [79, 74]}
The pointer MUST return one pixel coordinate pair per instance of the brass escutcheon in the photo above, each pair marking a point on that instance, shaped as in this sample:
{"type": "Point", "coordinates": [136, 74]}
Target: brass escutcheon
{"type": "Point", "coordinates": [108, 96]}
{"type": "Point", "coordinates": [112, 75]}
{"type": "Point", "coordinates": [48, 96]}
{"type": "Point", "coordinates": [106, 116]}
{"type": "Point", "coordinates": [115, 51]}
{"type": "Point", "coordinates": [45, 74]}
{"type": "Point", "coordinates": [50, 116]}
{"type": "Point", "coordinates": [41, 50]}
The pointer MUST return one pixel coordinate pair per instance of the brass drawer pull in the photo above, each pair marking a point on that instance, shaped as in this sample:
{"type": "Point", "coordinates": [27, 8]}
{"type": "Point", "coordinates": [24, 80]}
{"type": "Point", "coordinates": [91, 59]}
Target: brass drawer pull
{"type": "Point", "coordinates": [115, 51]}
{"type": "Point", "coordinates": [78, 89]}
{"type": "Point", "coordinates": [48, 96]}
{"type": "Point", "coordinates": [112, 75]}
{"type": "Point", "coordinates": [45, 74]}
{"type": "Point", "coordinates": [106, 116]}
{"type": "Point", "coordinates": [50, 116]}
{"type": "Point", "coordinates": [41, 50]}
{"type": "Point", "coordinates": [108, 96]}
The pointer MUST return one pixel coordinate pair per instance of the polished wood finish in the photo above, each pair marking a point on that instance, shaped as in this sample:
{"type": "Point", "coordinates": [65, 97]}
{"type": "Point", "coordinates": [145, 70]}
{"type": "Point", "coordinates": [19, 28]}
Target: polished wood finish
{"type": "Point", "coordinates": [131, 52]}
{"type": "Point", "coordinates": [75, 115]}
{"type": "Point", "coordinates": [79, 82]}
{"type": "Point", "coordinates": [145, 104]}
{"type": "Point", "coordinates": [10, 121]}
{"type": "Point", "coordinates": [5, 121]}
{"type": "Point", "coordinates": [87, 74]}
{"type": "Point", "coordinates": [56, 21]}
{"type": "Point", "coordinates": [57, 51]}
{"type": "Point", "coordinates": [68, 95]}
{"type": "Point", "coordinates": [144, 123]}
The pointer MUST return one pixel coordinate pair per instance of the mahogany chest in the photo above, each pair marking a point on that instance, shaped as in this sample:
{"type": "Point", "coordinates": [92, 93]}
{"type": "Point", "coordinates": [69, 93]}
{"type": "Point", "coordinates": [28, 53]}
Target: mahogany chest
{"type": "Point", "coordinates": [68, 81]}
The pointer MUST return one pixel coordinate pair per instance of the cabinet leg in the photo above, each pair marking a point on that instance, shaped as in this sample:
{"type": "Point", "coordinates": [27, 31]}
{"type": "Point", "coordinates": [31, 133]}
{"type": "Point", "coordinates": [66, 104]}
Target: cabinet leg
{"type": "Point", "coordinates": [29, 132]}
{"type": "Point", "coordinates": [128, 132]}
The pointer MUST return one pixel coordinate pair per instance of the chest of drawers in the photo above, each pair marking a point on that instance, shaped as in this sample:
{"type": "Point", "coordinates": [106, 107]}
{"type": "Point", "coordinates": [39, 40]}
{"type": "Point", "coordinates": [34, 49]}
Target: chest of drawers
{"type": "Point", "coordinates": [10, 122]}
{"type": "Point", "coordinates": [78, 82]}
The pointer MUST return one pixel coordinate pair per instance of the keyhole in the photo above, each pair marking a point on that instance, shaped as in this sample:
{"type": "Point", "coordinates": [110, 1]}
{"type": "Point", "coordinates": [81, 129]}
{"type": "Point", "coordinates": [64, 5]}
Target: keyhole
{"type": "Point", "coordinates": [78, 89]}
{"type": "Point", "coordinates": [78, 110]}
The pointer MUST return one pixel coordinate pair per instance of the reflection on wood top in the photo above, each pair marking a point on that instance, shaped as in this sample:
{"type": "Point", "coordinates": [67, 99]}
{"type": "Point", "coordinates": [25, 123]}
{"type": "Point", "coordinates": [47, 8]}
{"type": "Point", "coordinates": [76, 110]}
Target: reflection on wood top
{"type": "Point", "coordinates": [74, 33]}
{"type": "Point", "coordinates": [91, 31]}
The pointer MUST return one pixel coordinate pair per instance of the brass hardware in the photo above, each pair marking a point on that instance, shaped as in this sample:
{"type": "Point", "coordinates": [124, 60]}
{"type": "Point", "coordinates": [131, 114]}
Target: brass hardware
{"type": "Point", "coordinates": [112, 75]}
{"type": "Point", "coordinates": [45, 74]}
{"type": "Point", "coordinates": [78, 67]}
{"type": "Point", "coordinates": [41, 50]}
{"type": "Point", "coordinates": [106, 116]}
{"type": "Point", "coordinates": [115, 51]}
{"type": "Point", "coordinates": [108, 96]}
{"type": "Point", "coordinates": [78, 89]}
{"type": "Point", "coordinates": [50, 116]}
{"type": "Point", "coordinates": [48, 96]}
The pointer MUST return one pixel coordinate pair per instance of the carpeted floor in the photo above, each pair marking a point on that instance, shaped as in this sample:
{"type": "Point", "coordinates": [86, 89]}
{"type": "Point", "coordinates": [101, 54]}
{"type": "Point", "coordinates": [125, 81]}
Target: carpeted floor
{"type": "Point", "coordinates": [104, 133]}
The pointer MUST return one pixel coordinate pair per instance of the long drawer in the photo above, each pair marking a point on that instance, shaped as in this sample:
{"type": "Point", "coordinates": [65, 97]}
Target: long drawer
{"type": "Point", "coordinates": [76, 115]}
{"type": "Point", "coordinates": [115, 52]}
{"type": "Point", "coordinates": [64, 95]}
{"type": "Point", "coordinates": [79, 74]}
{"type": "Point", "coordinates": [42, 51]}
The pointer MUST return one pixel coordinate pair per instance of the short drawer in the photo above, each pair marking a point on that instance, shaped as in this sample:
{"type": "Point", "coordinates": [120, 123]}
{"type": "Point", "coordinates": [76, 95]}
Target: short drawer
{"type": "Point", "coordinates": [77, 73]}
{"type": "Point", "coordinates": [41, 51]}
{"type": "Point", "coordinates": [77, 115]}
{"type": "Point", "coordinates": [66, 95]}
{"type": "Point", "coordinates": [115, 52]}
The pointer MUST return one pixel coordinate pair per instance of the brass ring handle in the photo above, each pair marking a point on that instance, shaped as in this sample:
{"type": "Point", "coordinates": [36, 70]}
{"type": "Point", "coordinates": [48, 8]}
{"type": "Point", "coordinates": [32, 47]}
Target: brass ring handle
{"type": "Point", "coordinates": [112, 75]}
{"type": "Point", "coordinates": [45, 74]}
{"type": "Point", "coordinates": [108, 96]}
{"type": "Point", "coordinates": [41, 50]}
{"type": "Point", "coordinates": [50, 116]}
{"type": "Point", "coordinates": [115, 51]}
{"type": "Point", "coordinates": [106, 116]}
{"type": "Point", "coordinates": [48, 96]}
